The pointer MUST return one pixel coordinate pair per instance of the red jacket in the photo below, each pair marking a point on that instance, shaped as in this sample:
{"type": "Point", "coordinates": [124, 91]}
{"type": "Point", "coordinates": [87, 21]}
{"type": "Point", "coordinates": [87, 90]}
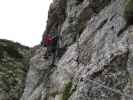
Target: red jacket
{"type": "Point", "coordinates": [48, 40]}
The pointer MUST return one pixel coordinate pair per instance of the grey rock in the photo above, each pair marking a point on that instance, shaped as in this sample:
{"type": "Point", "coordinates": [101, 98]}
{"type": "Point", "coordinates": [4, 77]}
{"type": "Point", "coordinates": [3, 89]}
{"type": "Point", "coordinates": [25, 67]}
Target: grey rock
{"type": "Point", "coordinates": [97, 64]}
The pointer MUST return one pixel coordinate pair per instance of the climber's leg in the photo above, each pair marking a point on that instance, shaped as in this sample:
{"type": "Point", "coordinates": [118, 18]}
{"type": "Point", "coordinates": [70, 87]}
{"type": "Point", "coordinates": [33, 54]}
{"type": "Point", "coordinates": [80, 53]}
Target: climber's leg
{"type": "Point", "coordinates": [53, 58]}
{"type": "Point", "coordinates": [48, 53]}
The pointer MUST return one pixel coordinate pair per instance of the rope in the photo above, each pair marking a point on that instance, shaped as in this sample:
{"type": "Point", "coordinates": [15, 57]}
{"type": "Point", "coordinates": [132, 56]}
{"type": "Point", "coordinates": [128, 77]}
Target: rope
{"type": "Point", "coordinates": [76, 29]}
{"type": "Point", "coordinates": [78, 48]}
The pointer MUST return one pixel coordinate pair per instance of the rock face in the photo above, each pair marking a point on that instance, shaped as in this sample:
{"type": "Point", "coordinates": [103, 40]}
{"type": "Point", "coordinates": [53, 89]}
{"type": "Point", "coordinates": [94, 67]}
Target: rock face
{"type": "Point", "coordinates": [97, 67]}
{"type": "Point", "coordinates": [14, 60]}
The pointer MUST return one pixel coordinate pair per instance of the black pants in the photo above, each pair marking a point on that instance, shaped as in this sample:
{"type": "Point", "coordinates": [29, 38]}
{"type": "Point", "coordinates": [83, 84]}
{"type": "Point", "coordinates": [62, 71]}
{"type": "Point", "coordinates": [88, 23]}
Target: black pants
{"type": "Point", "coordinates": [51, 52]}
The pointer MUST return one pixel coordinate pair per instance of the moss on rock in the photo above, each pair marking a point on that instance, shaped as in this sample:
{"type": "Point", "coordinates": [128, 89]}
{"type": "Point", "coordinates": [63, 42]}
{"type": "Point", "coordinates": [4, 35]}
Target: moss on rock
{"type": "Point", "coordinates": [68, 90]}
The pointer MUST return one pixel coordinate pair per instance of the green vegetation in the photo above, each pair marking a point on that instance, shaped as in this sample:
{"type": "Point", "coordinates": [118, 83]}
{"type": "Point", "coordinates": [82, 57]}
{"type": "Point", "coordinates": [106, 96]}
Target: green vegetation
{"type": "Point", "coordinates": [68, 90]}
{"type": "Point", "coordinates": [14, 59]}
{"type": "Point", "coordinates": [128, 13]}
{"type": "Point", "coordinates": [12, 77]}
{"type": "Point", "coordinates": [11, 51]}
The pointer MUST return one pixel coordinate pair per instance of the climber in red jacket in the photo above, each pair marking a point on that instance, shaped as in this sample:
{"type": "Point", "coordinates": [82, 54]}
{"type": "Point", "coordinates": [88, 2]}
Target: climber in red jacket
{"type": "Point", "coordinates": [51, 42]}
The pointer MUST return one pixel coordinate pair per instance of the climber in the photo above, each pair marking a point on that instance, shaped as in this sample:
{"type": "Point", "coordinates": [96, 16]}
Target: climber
{"type": "Point", "coordinates": [51, 42]}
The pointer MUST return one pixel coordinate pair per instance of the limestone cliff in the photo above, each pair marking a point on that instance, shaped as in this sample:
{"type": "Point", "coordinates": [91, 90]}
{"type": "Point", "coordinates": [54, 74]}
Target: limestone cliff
{"type": "Point", "coordinates": [14, 65]}
{"type": "Point", "coordinates": [97, 67]}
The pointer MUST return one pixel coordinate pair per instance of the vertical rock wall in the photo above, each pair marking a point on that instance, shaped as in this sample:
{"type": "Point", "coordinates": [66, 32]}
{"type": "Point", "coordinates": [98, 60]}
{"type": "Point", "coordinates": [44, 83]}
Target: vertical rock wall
{"type": "Point", "coordinates": [98, 67]}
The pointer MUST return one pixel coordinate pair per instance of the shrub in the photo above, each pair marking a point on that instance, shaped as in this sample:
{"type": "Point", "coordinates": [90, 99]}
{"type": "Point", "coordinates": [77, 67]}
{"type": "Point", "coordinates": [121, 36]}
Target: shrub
{"type": "Point", "coordinates": [1, 52]}
{"type": "Point", "coordinates": [68, 90]}
{"type": "Point", "coordinates": [128, 13]}
{"type": "Point", "coordinates": [11, 51]}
